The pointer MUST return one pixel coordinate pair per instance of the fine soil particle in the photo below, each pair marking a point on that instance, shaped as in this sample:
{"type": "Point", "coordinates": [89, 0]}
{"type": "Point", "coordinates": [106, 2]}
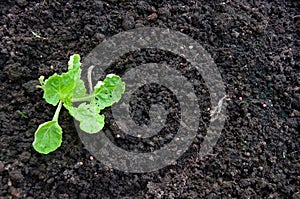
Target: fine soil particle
{"type": "Point", "coordinates": [255, 45]}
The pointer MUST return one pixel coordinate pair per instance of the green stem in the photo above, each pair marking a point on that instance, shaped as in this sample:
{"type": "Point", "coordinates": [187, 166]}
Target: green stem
{"type": "Point", "coordinates": [55, 117]}
{"type": "Point", "coordinates": [83, 99]}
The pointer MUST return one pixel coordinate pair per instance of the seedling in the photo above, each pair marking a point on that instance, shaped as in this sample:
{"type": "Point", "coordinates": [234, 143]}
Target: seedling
{"type": "Point", "coordinates": [65, 90]}
{"type": "Point", "coordinates": [22, 114]}
{"type": "Point", "coordinates": [37, 35]}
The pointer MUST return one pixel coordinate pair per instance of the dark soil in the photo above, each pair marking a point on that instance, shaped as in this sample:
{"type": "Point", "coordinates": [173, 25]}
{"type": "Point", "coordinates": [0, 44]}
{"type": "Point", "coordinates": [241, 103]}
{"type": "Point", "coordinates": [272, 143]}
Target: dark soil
{"type": "Point", "coordinates": [255, 45]}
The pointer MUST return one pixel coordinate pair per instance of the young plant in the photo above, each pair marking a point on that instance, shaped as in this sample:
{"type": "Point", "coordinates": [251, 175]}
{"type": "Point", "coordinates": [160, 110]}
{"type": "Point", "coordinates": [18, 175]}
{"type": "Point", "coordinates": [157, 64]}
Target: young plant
{"type": "Point", "coordinates": [64, 90]}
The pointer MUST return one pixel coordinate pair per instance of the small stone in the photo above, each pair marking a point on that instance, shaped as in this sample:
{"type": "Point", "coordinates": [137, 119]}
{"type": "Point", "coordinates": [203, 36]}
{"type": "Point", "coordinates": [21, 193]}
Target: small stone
{"type": "Point", "coordinates": [14, 192]}
{"type": "Point", "coordinates": [99, 36]}
{"type": "Point", "coordinates": [247, 154]}
{"type": "Point", "coordinates": [235, 34]}
{"type": "Point", "coordinates": [9, 183]}
{"type": "Point", "coordinates": [153, 16]}
{"type": "Point", "coordinates": [151, 143]}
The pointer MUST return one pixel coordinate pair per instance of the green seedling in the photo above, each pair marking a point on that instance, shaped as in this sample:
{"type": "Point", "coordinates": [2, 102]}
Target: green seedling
{"type": "Point", "coordinates": [37, 35]}
{"type": "Point", "coordinates": [65, 90]}
{"type": "Point", "coordinates": [22, 114]}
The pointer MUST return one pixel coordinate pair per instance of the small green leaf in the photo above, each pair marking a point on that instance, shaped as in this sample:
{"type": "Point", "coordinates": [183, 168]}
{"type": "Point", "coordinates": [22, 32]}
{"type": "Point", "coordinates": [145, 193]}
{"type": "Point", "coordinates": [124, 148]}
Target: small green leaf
{"type": "Point", "coordinates": [63, 87]}
{"type": "Point", "coordinates": [48, 137]}
{"type": "Point", "coordinates": [59, 87]}
{"type": "Point", "coordinates": [41, 80]}
{"type": "Point", "coordinates": [80, 90]}
{"type": "Point", "coordinates": [109, 91]}
{"type": "Point", "coordinates": [74, 68]}
{"type": "Point", "coordinates": [74, 62]}
{"type": "Point", "coordinates": [88, 116]}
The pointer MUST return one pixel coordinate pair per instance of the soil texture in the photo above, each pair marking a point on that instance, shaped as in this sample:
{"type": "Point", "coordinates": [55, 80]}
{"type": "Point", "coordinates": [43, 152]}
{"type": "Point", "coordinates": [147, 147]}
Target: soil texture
{"type": "Point", "coordinates": [255, 45]}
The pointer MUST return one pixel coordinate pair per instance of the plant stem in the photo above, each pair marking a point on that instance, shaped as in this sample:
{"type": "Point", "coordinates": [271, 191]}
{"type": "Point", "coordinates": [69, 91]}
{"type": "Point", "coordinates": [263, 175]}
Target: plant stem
{"type": "Point", "coordinates": [83, 99]}
{"type": "Point", "coordinates": [55, 117]}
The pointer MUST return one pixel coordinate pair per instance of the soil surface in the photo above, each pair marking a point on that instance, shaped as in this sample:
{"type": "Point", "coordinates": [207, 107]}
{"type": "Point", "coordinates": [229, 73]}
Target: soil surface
{"type": "Point", "coordinates": [255, 45]}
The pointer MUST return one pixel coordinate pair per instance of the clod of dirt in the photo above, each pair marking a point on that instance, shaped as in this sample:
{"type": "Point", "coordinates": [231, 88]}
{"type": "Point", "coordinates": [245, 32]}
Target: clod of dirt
{"type": "Point", "coordinates": [128, 22]}
{"type": "Point", "coordinates": [30, 86]}
{"type": "Point", "coordinates": [16, 176]}
{"type": "Point", "coordinates": [22, 2]}
{"type": "Point", "coordinates": [1, 167]}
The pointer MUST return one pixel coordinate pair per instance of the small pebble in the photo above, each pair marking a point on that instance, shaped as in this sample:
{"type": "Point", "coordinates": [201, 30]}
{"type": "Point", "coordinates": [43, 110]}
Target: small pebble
{"type": "Point", "coordinates": [15, 192]}
{"type": "Point", "coordinates": [9, 183]}
{"type": "Point", "coordinates": [152, 16]}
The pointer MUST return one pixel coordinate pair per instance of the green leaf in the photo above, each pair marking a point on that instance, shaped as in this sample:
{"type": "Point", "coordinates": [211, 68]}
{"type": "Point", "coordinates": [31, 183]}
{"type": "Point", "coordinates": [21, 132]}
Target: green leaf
{"type": "Point", "coordinates": [109, 91]}
{"type": "Point", "coordinates": [41, 80]}
{"type": "Point", "coordinates": [63, 87]}
{"type": "Point", "coordinates": [59, 87]}
{"type": "Point", "coordinates": [88, 116]}
{"type": "Point", "coordinates": [80, 90]}
{"type": "Point", "coordinates": [48, 137]}
{"type": "Point", "coordinates": [74, 62]}
{"type": "Point", "coordinates": [74, 68]}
